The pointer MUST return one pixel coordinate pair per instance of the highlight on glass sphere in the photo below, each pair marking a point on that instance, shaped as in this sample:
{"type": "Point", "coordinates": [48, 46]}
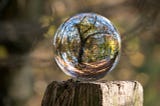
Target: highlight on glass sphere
{"type": "Point", "coordinates": [87, 46]}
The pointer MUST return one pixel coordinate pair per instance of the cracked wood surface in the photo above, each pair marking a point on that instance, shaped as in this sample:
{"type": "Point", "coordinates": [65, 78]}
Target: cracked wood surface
{"type": "Point", "coordinates": [96, 93]}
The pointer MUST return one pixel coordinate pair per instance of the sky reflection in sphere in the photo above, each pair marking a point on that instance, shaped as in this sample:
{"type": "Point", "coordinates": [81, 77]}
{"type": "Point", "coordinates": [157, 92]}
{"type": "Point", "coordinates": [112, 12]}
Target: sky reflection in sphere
{"type": "Point", "coordinates": [87, 46]}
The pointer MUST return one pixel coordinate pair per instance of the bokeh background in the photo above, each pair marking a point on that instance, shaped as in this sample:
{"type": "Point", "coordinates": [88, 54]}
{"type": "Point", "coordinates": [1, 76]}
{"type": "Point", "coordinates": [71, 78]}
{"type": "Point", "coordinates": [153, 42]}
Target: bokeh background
{"type": "Point", "coordinates": [27, 28]}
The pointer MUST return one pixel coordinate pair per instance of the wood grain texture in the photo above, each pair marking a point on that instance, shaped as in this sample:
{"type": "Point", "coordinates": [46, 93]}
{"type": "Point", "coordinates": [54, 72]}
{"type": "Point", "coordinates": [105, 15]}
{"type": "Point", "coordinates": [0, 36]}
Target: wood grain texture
{"type": "Point", "coordinates": [102, 93]}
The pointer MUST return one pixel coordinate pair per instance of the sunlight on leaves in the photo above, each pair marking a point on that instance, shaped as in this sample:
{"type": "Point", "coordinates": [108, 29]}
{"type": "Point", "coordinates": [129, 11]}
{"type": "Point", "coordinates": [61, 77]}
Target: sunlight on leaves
{"type": "Point", "coordinates": [3, 52]}
{"type": "Point", "coordinates": [137, 59]}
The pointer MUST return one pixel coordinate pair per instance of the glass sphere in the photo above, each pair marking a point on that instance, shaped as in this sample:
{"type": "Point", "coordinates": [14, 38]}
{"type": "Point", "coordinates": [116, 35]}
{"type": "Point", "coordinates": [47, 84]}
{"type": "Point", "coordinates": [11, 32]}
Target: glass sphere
{"type": "Point", "coordinates": [87, 46]}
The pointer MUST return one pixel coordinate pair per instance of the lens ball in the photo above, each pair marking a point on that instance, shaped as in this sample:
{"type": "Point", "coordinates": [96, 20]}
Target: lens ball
{"type": "Point", "coordinates": [87, 46]}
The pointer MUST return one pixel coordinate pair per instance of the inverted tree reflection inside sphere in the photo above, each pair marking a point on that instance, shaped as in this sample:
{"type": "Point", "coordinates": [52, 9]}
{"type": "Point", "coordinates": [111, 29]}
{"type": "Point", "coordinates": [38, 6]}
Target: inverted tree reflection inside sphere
{"type": "Point", "coordinates": [87, 46]}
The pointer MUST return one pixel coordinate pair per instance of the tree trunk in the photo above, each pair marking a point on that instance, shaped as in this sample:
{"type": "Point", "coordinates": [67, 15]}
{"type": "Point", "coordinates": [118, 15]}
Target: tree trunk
{"type": "Point", "coordinates": [102, 93]}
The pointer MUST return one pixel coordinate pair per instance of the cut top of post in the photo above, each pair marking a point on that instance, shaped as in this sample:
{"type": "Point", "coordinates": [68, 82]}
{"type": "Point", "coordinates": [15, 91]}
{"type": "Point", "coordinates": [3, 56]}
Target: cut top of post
{"type": "Point", "coordinates": [96, 93]}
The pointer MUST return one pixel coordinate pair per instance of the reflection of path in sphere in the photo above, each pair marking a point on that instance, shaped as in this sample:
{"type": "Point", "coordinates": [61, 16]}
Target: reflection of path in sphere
{"type": "Point", "coordinates": [87, 46]}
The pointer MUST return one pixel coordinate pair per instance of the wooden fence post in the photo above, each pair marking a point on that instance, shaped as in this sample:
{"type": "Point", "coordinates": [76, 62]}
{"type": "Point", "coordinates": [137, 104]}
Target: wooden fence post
{"type": "Point", "coordinates": [96, 93]}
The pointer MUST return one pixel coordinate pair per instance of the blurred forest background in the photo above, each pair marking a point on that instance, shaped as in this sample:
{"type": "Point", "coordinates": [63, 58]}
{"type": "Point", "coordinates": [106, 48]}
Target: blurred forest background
{"type": "Point", "coordinates": [27, 28]}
